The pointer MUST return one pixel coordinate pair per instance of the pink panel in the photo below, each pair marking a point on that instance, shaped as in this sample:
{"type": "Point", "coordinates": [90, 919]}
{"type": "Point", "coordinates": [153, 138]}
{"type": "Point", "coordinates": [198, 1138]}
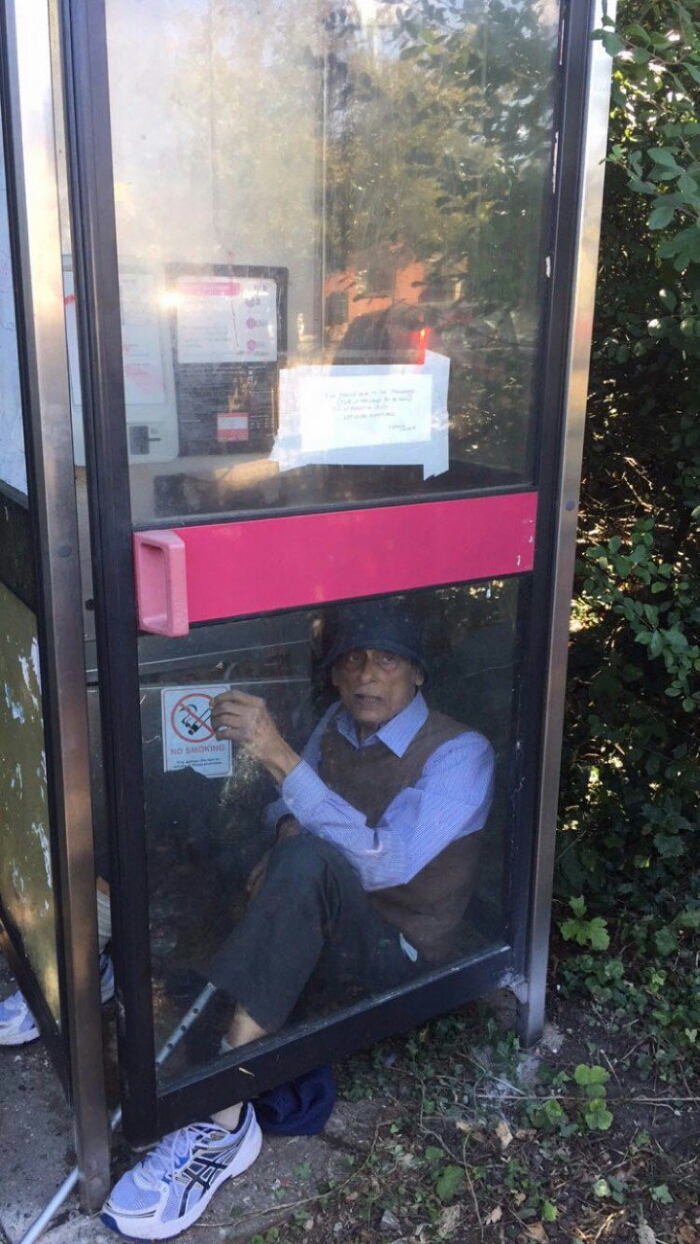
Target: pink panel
{"type": "Point", "coordinates": [281, 563]}
{"type": "Point", "coordinates": [161, 582]}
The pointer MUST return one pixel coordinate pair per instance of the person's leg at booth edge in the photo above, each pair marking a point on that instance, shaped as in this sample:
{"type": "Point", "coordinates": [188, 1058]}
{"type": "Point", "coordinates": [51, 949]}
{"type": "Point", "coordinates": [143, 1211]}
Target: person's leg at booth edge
{"type": "Point", "coordinates": [17, 1024]}
{"type": "Point", "coordinates": [376, 825]}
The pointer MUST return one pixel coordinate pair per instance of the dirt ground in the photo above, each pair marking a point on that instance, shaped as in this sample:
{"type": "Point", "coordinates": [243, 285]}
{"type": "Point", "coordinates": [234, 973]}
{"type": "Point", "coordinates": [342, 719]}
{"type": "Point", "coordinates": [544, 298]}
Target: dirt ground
{"type": "Point", "coordinates": [450, 1132]}
{"type": "Point", "coordinates": [476, 1140]}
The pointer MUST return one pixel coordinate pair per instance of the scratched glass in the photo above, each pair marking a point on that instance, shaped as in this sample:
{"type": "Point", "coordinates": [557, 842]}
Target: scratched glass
{"type": "Point", "coordinates": [26, 877]}
{"type": "Point", "coordinates": [207, 828]}
{"type": "Point", "coordinates": [332, 223]}
{"type": "Point", "coordinates": [13, 467]}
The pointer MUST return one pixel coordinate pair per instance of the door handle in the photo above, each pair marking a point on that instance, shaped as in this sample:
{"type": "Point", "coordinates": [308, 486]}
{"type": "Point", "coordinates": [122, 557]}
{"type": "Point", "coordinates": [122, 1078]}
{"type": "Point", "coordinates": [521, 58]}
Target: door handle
{"type": "Point", "coordinates": [160, 565]}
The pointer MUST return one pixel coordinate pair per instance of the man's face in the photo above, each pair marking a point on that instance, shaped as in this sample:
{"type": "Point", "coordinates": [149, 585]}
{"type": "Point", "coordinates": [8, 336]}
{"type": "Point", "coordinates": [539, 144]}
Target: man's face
{"type": "Point", "coordinates": [374, 686]}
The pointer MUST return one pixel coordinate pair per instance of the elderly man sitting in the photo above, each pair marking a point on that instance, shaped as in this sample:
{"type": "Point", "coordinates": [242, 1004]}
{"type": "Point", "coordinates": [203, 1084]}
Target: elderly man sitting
{"type": "Point", "coordinates": [371, 871]}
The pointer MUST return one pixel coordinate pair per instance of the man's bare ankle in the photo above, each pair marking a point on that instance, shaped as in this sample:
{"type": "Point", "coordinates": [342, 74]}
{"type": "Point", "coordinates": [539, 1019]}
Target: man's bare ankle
{"type": "Point", "coordinates": [229, 1118]}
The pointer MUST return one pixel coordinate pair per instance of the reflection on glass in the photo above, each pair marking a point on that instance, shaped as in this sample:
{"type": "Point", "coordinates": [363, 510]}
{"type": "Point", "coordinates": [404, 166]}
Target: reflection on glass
{"type": "Point", "coordinates": [378, 858]}
{"type": "Point", "coordinates": [13, 467]}
{"type": "Point", "coordinates": [26, 886]}
{"type": "Point", "coordinates": [330, 224]}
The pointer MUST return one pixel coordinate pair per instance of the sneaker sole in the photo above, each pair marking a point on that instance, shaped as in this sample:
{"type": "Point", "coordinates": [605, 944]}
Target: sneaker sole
{"type": "Point", "coordinates": [248, 1152]}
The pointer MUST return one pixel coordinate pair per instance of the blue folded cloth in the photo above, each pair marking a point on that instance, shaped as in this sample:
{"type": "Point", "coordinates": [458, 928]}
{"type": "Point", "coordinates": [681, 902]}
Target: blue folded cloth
{"type": "Point", "coordinates": [302, 1107]}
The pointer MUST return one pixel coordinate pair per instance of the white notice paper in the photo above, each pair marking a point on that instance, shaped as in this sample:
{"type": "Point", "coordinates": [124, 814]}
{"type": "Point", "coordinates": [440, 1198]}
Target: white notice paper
{"type": "Point", "coordinates": [222, 320]}
{"type": "Point", "coordinates": [394, 415]}
{"type": "Point", "coordinates": [343, 412]}
{"type": "Point", "coordinates": [189, 741]}
{"type": "Point", "coordinates": [144, 381]}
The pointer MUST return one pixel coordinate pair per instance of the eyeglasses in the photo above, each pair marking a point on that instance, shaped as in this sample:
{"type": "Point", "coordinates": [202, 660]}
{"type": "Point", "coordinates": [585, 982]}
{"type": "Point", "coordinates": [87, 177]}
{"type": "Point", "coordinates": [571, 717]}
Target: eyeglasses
{"type": "Point", "coordinates": [357, 657]}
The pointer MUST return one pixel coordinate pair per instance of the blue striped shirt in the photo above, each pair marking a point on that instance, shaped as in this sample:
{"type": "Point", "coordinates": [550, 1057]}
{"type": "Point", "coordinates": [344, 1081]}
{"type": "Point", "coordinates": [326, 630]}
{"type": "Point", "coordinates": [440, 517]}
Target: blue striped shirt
{"type": "Point", "coordinates": [451, 799]}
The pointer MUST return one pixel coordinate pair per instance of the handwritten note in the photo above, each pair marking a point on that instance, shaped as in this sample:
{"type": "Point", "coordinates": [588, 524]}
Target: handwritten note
{"type": "Point", "coordinates": [340, 412]}
{"type": "Point", "coordinates": [365, 416]}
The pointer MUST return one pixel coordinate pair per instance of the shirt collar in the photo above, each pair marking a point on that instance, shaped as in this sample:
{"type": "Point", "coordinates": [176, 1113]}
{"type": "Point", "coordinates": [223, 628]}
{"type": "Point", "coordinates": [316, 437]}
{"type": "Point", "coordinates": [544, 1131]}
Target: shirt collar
{"type": "Point", "coordinates": [396, 734]}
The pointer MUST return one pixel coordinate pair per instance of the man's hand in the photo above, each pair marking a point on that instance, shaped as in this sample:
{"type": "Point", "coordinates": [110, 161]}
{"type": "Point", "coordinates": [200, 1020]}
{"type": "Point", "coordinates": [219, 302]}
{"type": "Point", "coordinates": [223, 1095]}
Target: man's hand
{"type": "Point", "coordinates": [244, 719]}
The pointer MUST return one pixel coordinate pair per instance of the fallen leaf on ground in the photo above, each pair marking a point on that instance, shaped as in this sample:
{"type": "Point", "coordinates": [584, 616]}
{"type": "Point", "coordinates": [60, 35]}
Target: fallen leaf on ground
{"type": "Point", "coordinates": [645, 1235]}
{"type": "Point", "coordinates": [449, 1221]}
{"type": "Point", "coordinates": [389, 1221]}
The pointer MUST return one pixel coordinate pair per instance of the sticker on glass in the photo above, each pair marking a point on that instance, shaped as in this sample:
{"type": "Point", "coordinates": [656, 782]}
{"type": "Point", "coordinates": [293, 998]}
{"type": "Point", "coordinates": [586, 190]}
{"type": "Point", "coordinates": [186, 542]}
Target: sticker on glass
{"type": "Point", "coordinates": [189, 741]}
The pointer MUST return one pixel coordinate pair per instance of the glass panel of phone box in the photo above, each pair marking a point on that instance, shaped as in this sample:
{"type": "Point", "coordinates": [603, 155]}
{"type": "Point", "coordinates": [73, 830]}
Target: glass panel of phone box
{"type": "Point", "coordinates": [331, 222]}
{"type": "Point", "coordinates": [216, 832]}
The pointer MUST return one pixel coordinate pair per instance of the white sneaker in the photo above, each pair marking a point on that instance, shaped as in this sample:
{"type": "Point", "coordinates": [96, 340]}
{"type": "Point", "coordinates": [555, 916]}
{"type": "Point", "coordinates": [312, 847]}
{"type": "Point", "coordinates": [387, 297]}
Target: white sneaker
{"type": "Point", "coordinates": [169, 1190]}
{"type": "Point", "coordinates": [18, 1025]}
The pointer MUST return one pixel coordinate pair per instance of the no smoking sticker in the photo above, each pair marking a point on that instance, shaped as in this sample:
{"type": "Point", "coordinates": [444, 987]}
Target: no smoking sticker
{"type": "Point", "coordinates": [189, 741]}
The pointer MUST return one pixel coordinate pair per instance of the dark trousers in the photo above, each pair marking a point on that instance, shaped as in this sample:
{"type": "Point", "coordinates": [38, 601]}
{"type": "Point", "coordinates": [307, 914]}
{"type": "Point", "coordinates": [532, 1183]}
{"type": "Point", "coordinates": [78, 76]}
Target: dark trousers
{"type": "Point", "coordinates": [310, 913]}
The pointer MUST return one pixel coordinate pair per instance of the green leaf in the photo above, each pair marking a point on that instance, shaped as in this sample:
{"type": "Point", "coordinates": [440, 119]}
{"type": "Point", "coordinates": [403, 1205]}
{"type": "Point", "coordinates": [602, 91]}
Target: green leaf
{"type": "Point", "coordinates": [661, 216]}
{"type": "Point", "coordinates": [669, 846]}
{"type": "Point", "coordinates": [635, 31]}
{"type": "Point", "coordinates": [656, 643]}
{"type": "Point", "coordinates": [450, 1183]}
{"type": "Point", "coordinates": [664, 157]}
{"type": "Point", "coordinates": [597, 1115]}
{"type": "Point", "coordinates": [666, 941]}
{"type": "Point", "coordinates": [434, 1154]}
{"type": "Point", "coordinates": [662, 1195]}
{"type": "Point", "coordinates": [612, 43]}
{"type": "Point", "coordinates": [549, 1212]}
{"type": "Point", "coordinates": [574, 931]}
{"type": "Point", "coordinates": [598, 934]}
{"type": "Point", "coordinates": [585, 1075]}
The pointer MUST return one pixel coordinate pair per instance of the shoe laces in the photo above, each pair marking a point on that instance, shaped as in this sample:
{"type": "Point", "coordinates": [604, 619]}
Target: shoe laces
{"type": "Point", "coordinates": [174, 1151]}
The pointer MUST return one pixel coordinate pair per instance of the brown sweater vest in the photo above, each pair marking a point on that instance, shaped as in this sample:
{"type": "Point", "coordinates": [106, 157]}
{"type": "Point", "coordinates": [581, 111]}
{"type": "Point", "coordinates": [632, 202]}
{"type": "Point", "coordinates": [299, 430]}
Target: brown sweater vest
{"type": "Point", "coordinates": [428, 908]}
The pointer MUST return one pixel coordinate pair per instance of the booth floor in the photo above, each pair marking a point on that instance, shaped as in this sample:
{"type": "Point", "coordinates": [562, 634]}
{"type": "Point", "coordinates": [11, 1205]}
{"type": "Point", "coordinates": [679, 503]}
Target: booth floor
{"type": "Point", "coordinates": [36, 1155]}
